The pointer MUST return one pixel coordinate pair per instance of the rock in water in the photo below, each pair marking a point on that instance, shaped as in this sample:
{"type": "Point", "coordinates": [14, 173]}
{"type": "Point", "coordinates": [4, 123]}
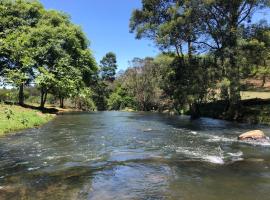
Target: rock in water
{"type": "Point", "coordinates": [253, 135]}
{"type": "Point", "coordinates": [147, 130]}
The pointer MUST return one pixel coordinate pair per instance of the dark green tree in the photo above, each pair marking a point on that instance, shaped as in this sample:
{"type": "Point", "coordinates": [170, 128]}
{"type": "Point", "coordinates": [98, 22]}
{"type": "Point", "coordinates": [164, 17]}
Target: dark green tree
{"type": "Point", "coordinates": [108, 66]}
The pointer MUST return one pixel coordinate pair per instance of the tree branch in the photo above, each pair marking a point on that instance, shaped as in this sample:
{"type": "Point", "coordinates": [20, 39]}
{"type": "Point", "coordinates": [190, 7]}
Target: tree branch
{"type": "Point", "coordinates": [247, 13]}
{"type": "Point", "coordinates": [204, 43]}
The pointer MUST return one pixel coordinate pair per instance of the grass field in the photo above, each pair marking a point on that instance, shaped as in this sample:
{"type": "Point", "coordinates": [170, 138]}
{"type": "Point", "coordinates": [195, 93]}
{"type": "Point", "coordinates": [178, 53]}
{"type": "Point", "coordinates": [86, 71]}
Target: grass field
{"type": "Point", "coordinates": [14, 118]}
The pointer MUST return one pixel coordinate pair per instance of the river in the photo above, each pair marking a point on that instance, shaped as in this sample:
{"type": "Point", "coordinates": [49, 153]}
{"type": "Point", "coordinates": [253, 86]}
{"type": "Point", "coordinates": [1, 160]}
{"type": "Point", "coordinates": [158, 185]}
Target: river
{"type": "Point", "coordinates": [121, 155]}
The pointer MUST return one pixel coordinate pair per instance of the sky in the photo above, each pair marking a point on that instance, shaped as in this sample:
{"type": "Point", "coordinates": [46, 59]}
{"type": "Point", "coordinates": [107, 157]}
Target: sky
{"type": "Point", "coordinates": [106, 24]}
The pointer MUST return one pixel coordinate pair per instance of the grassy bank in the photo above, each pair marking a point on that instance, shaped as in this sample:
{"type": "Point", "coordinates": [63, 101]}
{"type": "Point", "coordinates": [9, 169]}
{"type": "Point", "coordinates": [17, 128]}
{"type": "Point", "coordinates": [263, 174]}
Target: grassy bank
{"type": "Point", "coordinates": [14, 118]}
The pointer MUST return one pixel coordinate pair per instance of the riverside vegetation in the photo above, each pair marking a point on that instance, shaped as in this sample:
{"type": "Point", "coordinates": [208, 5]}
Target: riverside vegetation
{"type": "Point", "coordinates": [209, 51]}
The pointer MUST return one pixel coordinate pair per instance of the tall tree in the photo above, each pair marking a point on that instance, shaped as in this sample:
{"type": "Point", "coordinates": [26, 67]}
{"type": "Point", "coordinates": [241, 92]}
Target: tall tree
{"type": "Point", "coordinates": [62, 55]}
{"type": "Point", "coordinates": [222, 21]}
{"type": "Point", "coordinates": [108, 66]}
{"type": "Point", "coordinates": [175, 26]}
{"type": "Point", "coordinates": [255, 51]}
{"type": "Point", "coordinates": [17, 18]}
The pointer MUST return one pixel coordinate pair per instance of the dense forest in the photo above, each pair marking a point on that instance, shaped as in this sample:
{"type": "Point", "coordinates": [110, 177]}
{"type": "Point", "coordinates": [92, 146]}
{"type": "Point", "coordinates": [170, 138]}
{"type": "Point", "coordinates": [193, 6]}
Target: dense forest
{"type": "Point", "coordinates": [208, 51]}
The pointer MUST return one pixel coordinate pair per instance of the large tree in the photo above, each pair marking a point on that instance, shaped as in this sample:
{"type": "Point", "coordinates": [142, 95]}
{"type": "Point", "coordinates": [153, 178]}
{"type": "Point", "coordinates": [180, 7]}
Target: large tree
{"type": "Point", "coordinates": [108, 66]}
{"type": "Point", "coordinates": [222, 21]}
{"type": "Point", "coordinates": [16, 20]}
{"type": "Point", "coordinates": [255, 51]}
{"type": "Point", "coordinates": [64, 60]}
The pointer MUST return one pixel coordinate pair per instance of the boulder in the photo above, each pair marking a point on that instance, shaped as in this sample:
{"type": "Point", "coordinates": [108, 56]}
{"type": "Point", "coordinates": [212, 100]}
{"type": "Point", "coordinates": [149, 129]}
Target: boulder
{"type": "Point", "coordinates": [252, 135]}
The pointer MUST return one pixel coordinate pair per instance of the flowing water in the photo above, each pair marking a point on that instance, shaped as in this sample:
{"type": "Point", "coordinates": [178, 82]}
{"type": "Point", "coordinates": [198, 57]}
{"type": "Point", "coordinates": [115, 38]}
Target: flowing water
{"type": "Point", "coordinates": [118, 155]}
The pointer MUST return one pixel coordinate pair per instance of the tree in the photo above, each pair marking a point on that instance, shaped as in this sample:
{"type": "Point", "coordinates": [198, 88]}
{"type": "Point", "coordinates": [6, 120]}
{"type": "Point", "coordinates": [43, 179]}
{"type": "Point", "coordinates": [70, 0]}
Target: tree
{"type": "Point", "coordinates": [108, 66]}
{"type": "Point", "coordinates": [19, 68]}
{"type": "Point", "coordinates": [101, 94]}
{"type": "Point", "coordinates": [45, 48]}
{"type": "Point", "coordinates": [62, 55]}
{"type": "Point", "coordinates": [17, 18]}
{"type": "Point", "coordinates": [170, 24]}
{"type": "Point", "coordinates": [173, 25]}
{"type": "Point", "coordinates": [84, 100]}
{"type": "Point", "coordinates": [141, 81]}
{"type": "Point", "coordinates": [255, 51]}
{"type": "Point", "coordinates": [118, 99]}
{"type": "Point", "coordinates": [222, 21]}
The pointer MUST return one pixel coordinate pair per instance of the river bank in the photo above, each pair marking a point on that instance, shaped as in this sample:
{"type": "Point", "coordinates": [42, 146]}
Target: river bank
{"type": "Point", "coordinates": [14, 118]}
{"type": "Point", "coordinates": [252, 111]}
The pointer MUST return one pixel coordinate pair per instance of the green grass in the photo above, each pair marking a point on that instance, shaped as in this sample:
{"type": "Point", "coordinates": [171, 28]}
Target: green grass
{"type": "Point", "coordinates": [14, 118]}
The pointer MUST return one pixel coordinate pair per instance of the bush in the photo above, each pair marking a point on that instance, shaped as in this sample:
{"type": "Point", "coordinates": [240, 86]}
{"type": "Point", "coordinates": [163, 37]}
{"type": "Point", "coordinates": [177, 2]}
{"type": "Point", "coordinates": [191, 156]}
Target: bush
{"type": "Point", "coordinates": [115, 101]}
{"type": "Point", "coordinates": [119, 100]}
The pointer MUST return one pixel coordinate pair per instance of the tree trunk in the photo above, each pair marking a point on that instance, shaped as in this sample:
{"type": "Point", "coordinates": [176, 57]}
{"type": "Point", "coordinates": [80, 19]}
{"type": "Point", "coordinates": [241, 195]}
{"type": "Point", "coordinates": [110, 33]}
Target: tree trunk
{"type": "Point", "coordinates": [234, 71]}
{"type": "Point", "coordinates": [194, 111]}
{"type": "Point", "coordinates": [21, 94]}
{"type": "Point", "coordinates": [190, 50]}
{"type": "Point", "coordinates": [61, 102]}
{"type": "Point", "coordinates": [43, 98]}
{"type": "Point", "coordinates": [263, 80]}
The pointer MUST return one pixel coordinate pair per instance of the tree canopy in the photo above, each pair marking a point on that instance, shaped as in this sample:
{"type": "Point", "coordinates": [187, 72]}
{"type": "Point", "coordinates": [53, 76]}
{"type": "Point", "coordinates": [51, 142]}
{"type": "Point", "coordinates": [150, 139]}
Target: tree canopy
{"type": "Point", "coordinates": [43, 48]}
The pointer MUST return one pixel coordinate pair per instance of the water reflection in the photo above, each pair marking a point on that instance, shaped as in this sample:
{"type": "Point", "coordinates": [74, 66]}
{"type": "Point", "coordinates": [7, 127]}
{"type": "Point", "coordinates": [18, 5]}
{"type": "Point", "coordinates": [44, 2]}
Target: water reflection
{"type": "Point", "coordinates": [118, 155]}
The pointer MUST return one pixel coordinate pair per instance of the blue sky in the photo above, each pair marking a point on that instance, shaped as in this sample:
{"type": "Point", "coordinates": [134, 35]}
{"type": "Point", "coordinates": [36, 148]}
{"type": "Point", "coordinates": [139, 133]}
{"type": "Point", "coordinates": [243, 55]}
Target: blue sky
{"type": "Point", "coordinates": [106, 23]}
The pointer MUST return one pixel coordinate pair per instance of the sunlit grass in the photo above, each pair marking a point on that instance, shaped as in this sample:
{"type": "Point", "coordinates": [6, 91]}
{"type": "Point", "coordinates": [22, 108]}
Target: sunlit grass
{"type": "Point", "coordinates": [14, 118]}
{"type": "Point", "coordinates": [252, 95]}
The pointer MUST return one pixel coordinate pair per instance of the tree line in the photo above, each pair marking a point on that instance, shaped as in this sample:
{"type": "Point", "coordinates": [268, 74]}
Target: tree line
{"type": "Point", "coordinates": [209, 47]}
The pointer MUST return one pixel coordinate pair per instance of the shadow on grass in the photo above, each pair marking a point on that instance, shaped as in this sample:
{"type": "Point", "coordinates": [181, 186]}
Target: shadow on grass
{"type": "Point", "coordinates": [43, 110]}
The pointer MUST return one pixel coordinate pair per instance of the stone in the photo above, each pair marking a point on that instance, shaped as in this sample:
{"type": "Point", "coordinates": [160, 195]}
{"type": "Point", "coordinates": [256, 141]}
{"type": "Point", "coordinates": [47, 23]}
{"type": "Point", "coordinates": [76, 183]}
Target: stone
{"type": "Point", "coordinates": [147, 130]}
{"type": "Point", "coordinates": [253, 135]}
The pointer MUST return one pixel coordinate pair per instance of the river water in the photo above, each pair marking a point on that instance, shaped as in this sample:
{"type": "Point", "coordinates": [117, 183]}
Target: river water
{"type": "Point", "coordinates": [120, 155]}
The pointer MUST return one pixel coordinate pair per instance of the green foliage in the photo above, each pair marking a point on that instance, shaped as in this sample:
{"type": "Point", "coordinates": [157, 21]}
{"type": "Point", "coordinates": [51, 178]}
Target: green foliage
{"type": "Point", "coordinates": [224, 85]}
{"type": "Point", "coordinates": [115, 102]}
{"type": "Point", "coordinates": [255, 51]}
{"type": "Point", "coordinates": [16, 51]}
{"type": "Point", "coordinates": [141, 85]}
{"type": "Point", "coordinates": [7, 95]}
{"type": "Point", "coordinates": [24, 120]}
{"type": "Point", "coordinates": [45, 48]}
{"type": "Point", "coordinates": [108, 66]}
{"type": "Point", "coordinates": [213, 28]}
{"type": "Point", "coordinates": [120, 100]}
{"type": "Point", "coordinates": [101, 94]}
{"type": "Point", "coordinates": [9, 113]}
{"type": "Point", "coordinates": [84, 100]}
